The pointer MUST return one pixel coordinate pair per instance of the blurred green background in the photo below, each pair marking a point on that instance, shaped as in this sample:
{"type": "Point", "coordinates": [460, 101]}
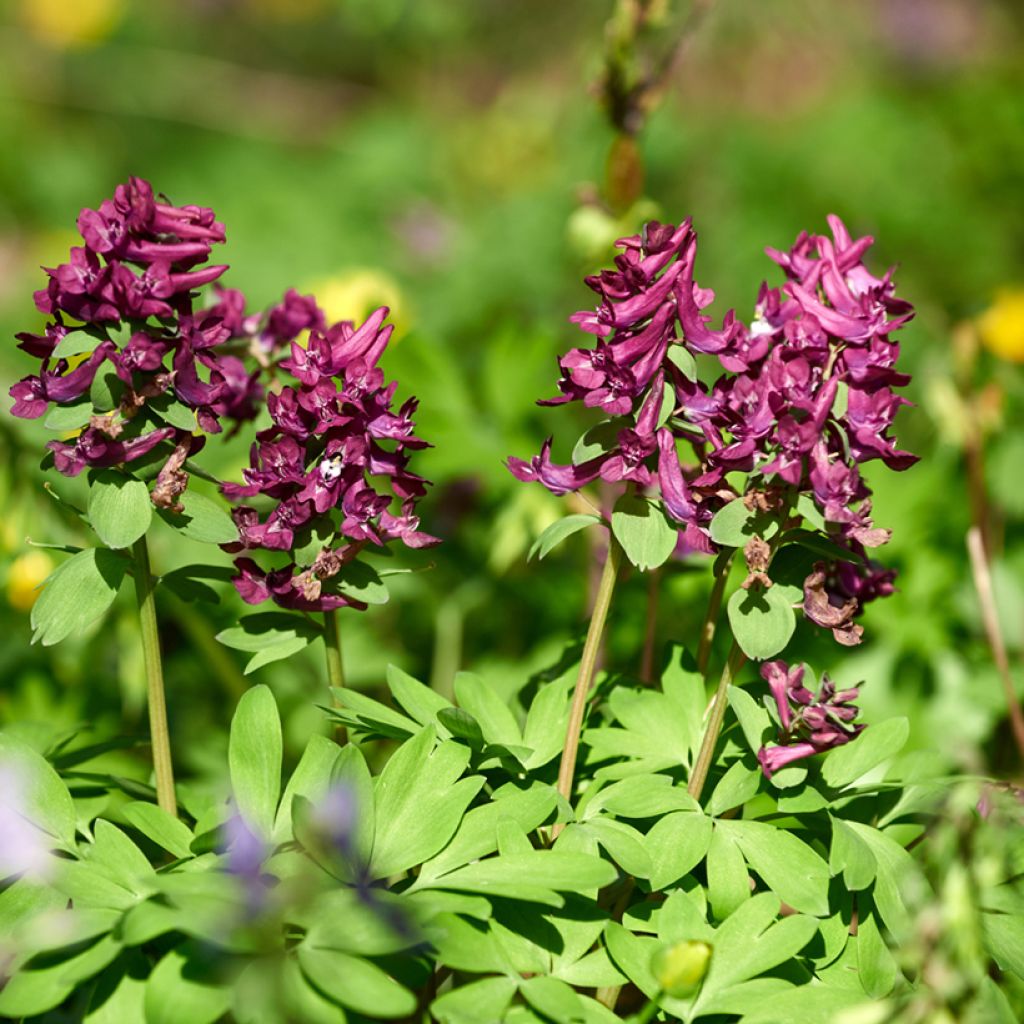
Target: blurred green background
{"type": "Point", "coordinates": [443, 156]}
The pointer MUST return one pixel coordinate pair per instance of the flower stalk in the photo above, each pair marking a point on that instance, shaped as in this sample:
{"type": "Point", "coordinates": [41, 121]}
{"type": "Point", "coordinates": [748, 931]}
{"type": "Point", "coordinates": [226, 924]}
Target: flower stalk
{"type": "Point", "coordinates": [335, 663]}
{"type": "Point", "coordinates": [163, 768]}
{"type": "Point", "coordinates": [706, 754]}
{"type": "Point", "coordinates": [707, 630]}
{"type": "Point", "coordinates": [588, 664]}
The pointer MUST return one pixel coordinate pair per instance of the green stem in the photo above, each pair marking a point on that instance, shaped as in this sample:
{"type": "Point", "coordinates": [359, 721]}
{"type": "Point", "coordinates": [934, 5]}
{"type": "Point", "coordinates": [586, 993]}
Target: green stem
{"type": "Point", "coordinates": [707, 632]}
{"type": "Point", "coordinates": [714, 724]}
{"type": "Point", "coordinates": [648, 1013]}
{"type": "Point", "coordinates": [163, 769]}
{"type": "Point", "coordinates": [335, 666]}
{"type": "Point", "coordinates": [588, 663]}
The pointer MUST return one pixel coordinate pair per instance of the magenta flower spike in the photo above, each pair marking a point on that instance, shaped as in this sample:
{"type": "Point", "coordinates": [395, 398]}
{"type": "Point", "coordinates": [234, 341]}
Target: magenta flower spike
{"type": "Point", "coordinates": [334, 464]}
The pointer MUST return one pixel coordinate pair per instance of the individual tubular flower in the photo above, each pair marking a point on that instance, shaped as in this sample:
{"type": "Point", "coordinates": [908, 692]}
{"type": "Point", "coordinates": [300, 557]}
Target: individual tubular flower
{"type": "Point", "coordinates": [334, 464]}
{"type": "Point", "coordinates": [808, 723]}
{"type": "Point", "coordinates": [126, 298]}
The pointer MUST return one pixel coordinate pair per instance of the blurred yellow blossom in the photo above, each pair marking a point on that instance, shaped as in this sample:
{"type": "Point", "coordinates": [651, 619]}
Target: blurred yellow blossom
{"type": "Point", "coordinates": [24, 576]}
{"type": "Point", "coordinates": [355, 294]}
{"type": "Point", "coordinates": [66, 24]}
{"type": "Point", "coordinates": [1001, 326]}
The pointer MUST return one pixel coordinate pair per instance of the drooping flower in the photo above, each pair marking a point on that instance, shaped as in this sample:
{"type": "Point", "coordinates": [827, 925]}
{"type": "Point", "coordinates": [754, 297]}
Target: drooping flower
{"type": "Point", "coordinates": [809, 723]}
{"type": "Point", "coordinates": [335, 464]}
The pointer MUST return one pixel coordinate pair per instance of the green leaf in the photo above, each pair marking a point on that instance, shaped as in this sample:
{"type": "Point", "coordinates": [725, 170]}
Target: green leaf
{"type": "Point", "coordinates": [42, 796]}
{"type": "Point", "coordinates": [342, 921]}
{"type": "Point", "coordinates": [304, 1001]}
{"type": "Point", "coordinates": [119, 508]}
{"type": "Point", "coordinates": [677, 843]}
{"type": "Point", "coordinates": [254, 758]}
{"type": "Point", "coordinates": [553, 998]}
{"type": "Point", "coordinates": [65, 418]}
{"type": "Point", "coordinates": [361, 582]}
{"type": "Point", "coordinates": [202, 520]}
{"type": "Point", "coordinates": [420, 701]}
{"type": "Point", "coordinates": [645, 534]}
{"type": "Point", "coordinates": [762, 621]}
{"type": "Point", "coordinates": [683, 359]}
{"type": "Point", "coordinates": [728, 882]}
{"type": "Point", "coordinates": [106, 390]}
{"type": "Point", "coordinates": [844, 765]}
{"type": "Point", "coordinates": [311, 779]}
{"type": "Point", "coordinates": [897, 873]}
{"type": "Point", "coordinates": [420, 800]}
{"type": "Point", "coordinates": [162, 828]}
{"type": "Point", "coordinates": [734, 788]}
{"type": "Point", "coordinates": [751, 941]}
{"type": "Point", "coordinates": [601, 438]}
{"type": "Point", "coordinates": [476, 836]}
{"type": "Point", "coordinates": [641, 796]}
{"type": "Point", "coordinates": [807, 507]}
{"type": "Point", "coordinates": [186, 582]}
{"type": "Point", "coordinates": [115, 855]}
{"type": "Point", "coordinates": [753, 718]}
{"type": "Point", "coordinates": [546, 722]}
{"type": "Point", "coordinates": [172, 412]}
{"type": "Point", "coordinates": [184, 989]}
{"type": "Point", "coordinates": [667, 407]}
{"type": "Point", "coordinates": [521, 875]}
{"type": "Point", "coordinates": [356, 983]}
{"type": "Point", "coordinates": [271, 636]}
{"type": "Point", "coordinates": [370, 716]}
{"type": "Point", "coordinates": [75, 343]}
{"type": "Point", "coordinates": [633, 955]}
{"type": "Point", "coordinates": [278, 652]}
{"type": "Point", "coordinates": [461, 725]}
{"type": "Point", "coordinates": [77, 594]}
{"type": "Point", "coordinates": [623, 844]}
{"type": "Point", "coordinates": [120, 992]}
{"type": "Point", "coordinates": [559, 531]}
{"type": "Point", "coordinates": [787, 865]}
{"type": "Point", "coordinates": [852, 856]}
{"type": "Point", "coordinates": [497, 722]}
{"type": "Point", "coordinates": [734, 525]}
{"type": "Point", "coordinates": [479, 1002]}
{"type": "Point", "coordinates": [36, 989]}
{"type": "Point", "coordinates": [876, 967]}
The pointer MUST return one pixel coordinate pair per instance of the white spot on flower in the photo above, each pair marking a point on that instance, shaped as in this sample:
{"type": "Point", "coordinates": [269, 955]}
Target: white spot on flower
{"type": "Point", "coordinates": [330, 469]}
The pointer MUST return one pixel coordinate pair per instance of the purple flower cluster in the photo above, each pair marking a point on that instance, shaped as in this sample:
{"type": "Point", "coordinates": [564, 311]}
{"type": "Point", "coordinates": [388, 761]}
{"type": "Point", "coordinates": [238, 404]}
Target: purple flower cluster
{"type": "Point", "coordinates": [334, 436]}
{"type": "Point", "coordinates": [809, 723]}
{"type": "Point", "coordinates": [127, 297]}
{"type": "Point", "coordinates": [805, 394]}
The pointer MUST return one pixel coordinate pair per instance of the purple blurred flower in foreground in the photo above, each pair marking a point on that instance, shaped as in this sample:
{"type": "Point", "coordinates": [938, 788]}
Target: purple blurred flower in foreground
{"type": "Point", "coordinates": [125, 340]}
{"type": "Point", "coordinates": [24, 849]}
{"type": "Point", "coordinates": [809, 723]}
{"type": "Point", "coordinates": [335, 466]}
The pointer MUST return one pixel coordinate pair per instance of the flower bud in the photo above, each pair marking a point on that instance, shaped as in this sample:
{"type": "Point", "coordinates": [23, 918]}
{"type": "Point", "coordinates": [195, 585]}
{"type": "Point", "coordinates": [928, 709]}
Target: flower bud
{"type": "Point", "coordinates": [680, 968]}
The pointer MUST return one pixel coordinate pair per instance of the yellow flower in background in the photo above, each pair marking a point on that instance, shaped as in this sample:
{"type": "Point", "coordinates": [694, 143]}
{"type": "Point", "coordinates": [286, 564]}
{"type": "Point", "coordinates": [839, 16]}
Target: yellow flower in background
{"type": "Point", "coordinates": [1001, 326]}
{"type": "Point", "coordinates": [355, 294]}
{"type": "Point", "coordinates": [67, 24]}
{"type": "Point", "coordinates": [24, 576]}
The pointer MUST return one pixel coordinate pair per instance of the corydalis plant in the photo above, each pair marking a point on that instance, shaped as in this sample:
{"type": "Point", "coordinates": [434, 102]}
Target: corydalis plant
{"type": "Point", "coordinates": [765, 458]}
{"type": "Point", "coordinates": [125, 300]}
{"type": "Point", "coordinates": [333, 442]}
